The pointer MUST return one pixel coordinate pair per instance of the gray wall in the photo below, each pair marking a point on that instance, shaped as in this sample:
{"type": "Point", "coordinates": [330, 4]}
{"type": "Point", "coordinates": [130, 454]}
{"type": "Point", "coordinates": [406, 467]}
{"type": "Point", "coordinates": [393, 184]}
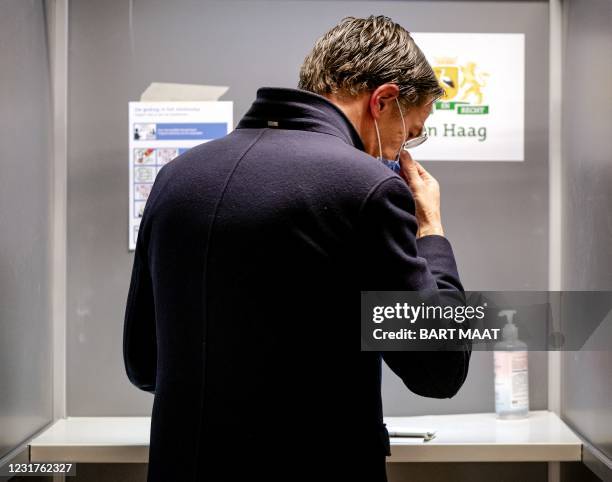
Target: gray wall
{"type": "Point", "coordinates": [25, 322]}
{"type": "Point", "coordinates": [587, 208]}
{"type": "Point", "coordinates": [496, 214]}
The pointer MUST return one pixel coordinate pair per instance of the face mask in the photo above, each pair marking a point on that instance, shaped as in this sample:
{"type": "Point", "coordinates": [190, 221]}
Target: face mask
{"type": "Point", "coordinates": [393, 164]}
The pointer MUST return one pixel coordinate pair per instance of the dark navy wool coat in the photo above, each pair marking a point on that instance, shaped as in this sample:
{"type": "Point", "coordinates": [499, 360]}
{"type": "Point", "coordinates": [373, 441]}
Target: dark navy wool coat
{"type": "Point", "coordinates": [243, 311]}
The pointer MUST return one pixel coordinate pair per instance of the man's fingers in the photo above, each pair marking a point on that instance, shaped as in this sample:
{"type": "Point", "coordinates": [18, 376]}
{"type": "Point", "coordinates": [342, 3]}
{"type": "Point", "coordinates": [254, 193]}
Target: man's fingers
{"type": "Point", "coordinates": [409, 169]}
{"type": "Point", "coordinates": [406, 160]}
{"type": "Point", "coordinates": [422, 171]}
{"type": "Point", "coordinates": [409, 164]}
{"type": "Point", "coordinates": [413, 171]}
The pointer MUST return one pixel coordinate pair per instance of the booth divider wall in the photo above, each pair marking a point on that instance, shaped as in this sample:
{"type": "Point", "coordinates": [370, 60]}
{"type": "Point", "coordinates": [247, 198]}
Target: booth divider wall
{"type": "Point", "coordinates": [586, 391]}
{"type": "Point", "coordinates": [26, 397]}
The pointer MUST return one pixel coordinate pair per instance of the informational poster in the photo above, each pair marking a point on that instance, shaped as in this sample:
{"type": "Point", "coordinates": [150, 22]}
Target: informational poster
{"type": "Point", "coordinates": [481, 116]}
{"type": "Point", "coordinates": [161, 131]}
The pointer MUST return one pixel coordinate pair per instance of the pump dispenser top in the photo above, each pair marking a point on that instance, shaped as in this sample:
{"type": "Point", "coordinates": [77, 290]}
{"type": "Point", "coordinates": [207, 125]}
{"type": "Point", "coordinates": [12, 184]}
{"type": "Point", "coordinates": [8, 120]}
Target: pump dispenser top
{"type": "Point", "coordinates": [510, 331]}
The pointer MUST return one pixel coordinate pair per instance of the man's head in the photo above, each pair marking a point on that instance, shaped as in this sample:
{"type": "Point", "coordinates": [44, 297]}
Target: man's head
{"type": "Point", "coordinates": [366, 66]}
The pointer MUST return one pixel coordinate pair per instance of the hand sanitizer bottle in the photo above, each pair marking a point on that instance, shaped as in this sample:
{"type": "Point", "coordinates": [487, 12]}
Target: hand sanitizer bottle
{"type": "Point", "coordinates": [511, 374]}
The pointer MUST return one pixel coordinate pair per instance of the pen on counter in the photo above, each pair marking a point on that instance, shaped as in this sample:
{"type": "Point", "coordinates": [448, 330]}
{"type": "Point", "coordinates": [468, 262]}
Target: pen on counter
{"type": "Point", "coordinates": [426, 436]}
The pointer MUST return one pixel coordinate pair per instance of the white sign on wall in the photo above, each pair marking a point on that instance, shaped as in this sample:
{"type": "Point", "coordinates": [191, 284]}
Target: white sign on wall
{"type": "Point", "coordinates": [161, 131]}
{"type": "Point", "coordinates": [481, 116]}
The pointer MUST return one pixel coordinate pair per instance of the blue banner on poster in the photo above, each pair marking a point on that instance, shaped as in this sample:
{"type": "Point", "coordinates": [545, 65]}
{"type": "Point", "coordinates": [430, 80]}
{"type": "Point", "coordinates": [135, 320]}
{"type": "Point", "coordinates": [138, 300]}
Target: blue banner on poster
{"type": "Point", "coordinates": [200, 131]}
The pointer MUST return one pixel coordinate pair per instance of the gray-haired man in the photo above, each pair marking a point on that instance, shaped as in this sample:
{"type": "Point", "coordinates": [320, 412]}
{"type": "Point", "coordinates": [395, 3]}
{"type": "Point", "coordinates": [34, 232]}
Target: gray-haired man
{"type": "Point", "coordinates": [243, 310]}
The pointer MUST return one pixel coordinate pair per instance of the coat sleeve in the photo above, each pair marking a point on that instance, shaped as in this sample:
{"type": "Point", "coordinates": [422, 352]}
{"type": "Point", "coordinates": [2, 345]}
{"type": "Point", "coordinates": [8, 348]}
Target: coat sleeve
{"type": "Point", "coordinates": [139, 336]}
{"type": "Point", "coordinates": [139, 332]}
{"type": "Point", "coordinates": [394, 259]}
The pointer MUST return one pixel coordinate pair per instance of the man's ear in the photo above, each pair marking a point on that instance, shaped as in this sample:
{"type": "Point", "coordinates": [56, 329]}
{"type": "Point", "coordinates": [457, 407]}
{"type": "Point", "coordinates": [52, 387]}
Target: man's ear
{"type": "Point", "coordinates": [382, 98]}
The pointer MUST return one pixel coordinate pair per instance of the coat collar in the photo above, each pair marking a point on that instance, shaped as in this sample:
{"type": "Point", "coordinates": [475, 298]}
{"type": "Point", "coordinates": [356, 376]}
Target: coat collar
{"type": "Point", "coordinates": [301, 110]}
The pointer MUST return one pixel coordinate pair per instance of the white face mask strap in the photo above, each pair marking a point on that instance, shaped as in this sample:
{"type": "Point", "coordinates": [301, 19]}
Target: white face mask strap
{"type": "Point", "coordinates": [380, 156]}
{"type": "Point", "coordinates": [403, 128]}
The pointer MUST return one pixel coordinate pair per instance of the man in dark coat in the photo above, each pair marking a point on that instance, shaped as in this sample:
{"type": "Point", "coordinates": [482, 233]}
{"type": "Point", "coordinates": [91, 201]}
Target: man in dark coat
{"type": "Point", "coordinates": [243, 311]}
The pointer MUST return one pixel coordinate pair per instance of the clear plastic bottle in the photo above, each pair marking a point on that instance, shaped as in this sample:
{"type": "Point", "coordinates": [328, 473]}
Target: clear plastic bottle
{"type": "Point", "coordinates": [511, 372]}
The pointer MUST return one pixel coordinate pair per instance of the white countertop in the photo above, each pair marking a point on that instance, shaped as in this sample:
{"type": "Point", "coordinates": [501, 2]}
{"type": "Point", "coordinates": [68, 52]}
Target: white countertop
{"type": "Point", "coordinates": [481, 437]}
{"type": "Point", "coordinates": [94, 439]}
{"type": "Point", "coordinates": [477, 437]}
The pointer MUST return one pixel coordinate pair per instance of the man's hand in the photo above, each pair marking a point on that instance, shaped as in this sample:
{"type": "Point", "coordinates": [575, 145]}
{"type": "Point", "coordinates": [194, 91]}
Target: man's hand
{"type": "Point", "coordinates": [426, 193]}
